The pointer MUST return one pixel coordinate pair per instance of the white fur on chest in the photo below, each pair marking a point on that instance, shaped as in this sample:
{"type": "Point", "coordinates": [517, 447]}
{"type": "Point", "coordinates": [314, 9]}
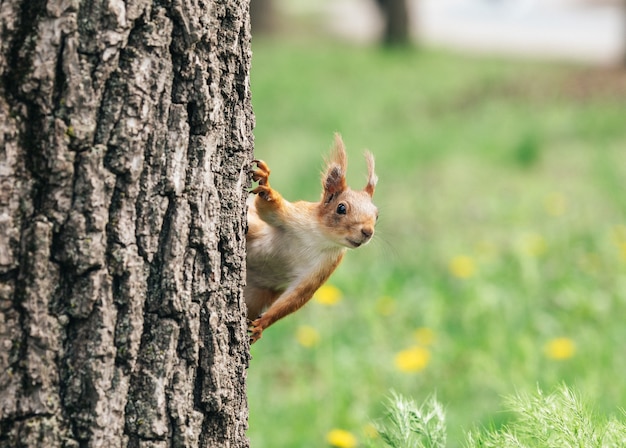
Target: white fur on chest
{"type": "Point", "coordinates": [279, 256]}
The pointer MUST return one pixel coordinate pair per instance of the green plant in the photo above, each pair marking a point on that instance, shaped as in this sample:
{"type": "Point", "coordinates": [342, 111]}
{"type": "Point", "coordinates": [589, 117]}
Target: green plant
{"type": "Point", "coordinates": [407, 425]}
{"type": "Point", "coordinates": [557, 420]}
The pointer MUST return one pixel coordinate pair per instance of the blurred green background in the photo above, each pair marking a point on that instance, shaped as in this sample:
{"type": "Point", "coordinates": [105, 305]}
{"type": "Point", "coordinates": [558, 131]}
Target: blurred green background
{"type": "Point", "coordinates": [499, 260]}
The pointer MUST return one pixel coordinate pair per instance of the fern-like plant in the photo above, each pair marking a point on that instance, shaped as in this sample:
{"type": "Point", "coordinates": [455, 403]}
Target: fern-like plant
{"type": "Point", "coordinates": [407, 425]}
{"type": "Point", "coordinates": [557, 420]}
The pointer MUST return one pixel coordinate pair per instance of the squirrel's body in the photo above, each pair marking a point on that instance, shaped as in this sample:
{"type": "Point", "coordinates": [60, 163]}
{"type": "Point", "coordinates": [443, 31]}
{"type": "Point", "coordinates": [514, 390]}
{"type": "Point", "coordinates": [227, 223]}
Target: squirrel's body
{"type": "Point", "coordinates": [285, 254]}
{"type": "Point", "coordinates": [292, 248]}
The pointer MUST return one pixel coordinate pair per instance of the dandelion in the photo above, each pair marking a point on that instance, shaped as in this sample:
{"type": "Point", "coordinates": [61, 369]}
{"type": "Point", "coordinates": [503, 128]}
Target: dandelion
{"type": "Point", "coordinates": [340, 438]}
{"type": "Point", "coordinates": [385, 306]}
{"type": "Point", "coordinates": [532, 244]}
{"type": "Point", "coordinates": [424, 336]}
{"type": "Point", "coordinates": [307, 336]}
{"type": "Point", "coordinates": [619, 236]}
{"type": "Point", "coordinates": [622, 247]}
{"type": "Point", "coordinates": [619, 232]}
{"type": "Point", "coordinates": [560, 348]}
{"type": "Point", "coordinates": [555, 204]}
{"type": "Point", "coordinates": [486, 250]}
{"type": "Point", "coordinates": [411, 360]}
{"type": "Point", "coordinates": [370, 431]}
{"type": "Point", "coordinates": [462, 266]}
{"type": "Point", "coordinates": [590, 263]}
{"type": "Point", "coordinates": [328, 295]}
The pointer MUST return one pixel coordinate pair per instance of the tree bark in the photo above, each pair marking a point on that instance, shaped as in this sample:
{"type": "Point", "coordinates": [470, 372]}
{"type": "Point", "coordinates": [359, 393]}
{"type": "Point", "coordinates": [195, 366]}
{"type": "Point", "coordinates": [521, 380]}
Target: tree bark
{"type": "Point", "coordinates": [125, 137]}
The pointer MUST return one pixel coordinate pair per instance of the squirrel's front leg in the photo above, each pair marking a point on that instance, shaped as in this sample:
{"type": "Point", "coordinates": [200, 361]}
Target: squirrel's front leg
{"type": "Point", "coordinates": [293, 298]}
{"type": "Point", "coordinates": [269, 203]}
{"type": "Point", "coordinates": [287, 303]}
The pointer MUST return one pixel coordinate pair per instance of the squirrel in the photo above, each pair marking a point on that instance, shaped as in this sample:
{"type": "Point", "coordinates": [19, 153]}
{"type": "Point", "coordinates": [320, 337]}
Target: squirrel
{"type": "Point", "coordinates": [292, 248]}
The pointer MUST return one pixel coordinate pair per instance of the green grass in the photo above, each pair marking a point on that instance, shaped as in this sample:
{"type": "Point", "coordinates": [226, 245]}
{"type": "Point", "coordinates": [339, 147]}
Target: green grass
{"type": "Point", "coordinates": [407, 425]}
{"type": "Point", "coordinates": [518, 167]}
{"type": "Point", "coordinates": [559, 419]}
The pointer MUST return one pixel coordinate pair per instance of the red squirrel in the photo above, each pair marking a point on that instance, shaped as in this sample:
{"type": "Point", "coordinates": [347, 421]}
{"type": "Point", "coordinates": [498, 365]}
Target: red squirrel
{"type": "Point", "coordinates": [293, 247]}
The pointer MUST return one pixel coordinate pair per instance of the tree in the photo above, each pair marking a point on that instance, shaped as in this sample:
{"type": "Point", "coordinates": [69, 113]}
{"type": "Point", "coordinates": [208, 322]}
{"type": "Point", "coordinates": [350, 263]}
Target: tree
{"type": "Point", "coordinates": [397, 26]}
{"type": "Point", "coordinates": [263, 17]}
{"type": "Point", "coordinates": [125, 136]}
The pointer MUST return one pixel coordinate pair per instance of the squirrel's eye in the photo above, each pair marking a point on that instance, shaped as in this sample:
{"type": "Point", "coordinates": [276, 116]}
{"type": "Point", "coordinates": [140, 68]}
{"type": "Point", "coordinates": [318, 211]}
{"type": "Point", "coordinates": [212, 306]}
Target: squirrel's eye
{"type": "Point", "coordinates": [341, 209]}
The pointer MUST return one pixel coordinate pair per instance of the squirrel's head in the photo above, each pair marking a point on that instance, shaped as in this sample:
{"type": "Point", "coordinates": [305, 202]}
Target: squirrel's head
{"type": "Point", "coordinates": [348, 217]}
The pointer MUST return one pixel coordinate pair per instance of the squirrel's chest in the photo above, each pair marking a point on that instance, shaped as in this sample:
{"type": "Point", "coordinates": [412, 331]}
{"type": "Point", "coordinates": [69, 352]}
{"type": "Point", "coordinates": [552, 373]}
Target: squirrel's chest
{"type": "Point", "coordinates": [276, 258]}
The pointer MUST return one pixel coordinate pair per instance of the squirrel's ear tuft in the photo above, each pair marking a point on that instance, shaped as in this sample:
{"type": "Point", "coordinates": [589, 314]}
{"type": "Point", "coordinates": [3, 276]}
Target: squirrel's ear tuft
{"type": "Point", "coordinates": [372, 178]}
{"type": "Point", "coordinates": [338, 155]}
{"type": "Point", "coordinates": [334, 177]}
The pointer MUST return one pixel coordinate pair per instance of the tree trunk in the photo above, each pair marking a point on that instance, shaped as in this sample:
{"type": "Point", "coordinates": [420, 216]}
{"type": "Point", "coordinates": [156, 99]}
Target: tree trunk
{"type": "Point", "coordinates": [397, 28]}
{"type": "Point", "coordinates": [125, 137]}
{"type": "Point", "coordinates": [623, 3]}
{"type": "Point", "coordinates": [263, 17]}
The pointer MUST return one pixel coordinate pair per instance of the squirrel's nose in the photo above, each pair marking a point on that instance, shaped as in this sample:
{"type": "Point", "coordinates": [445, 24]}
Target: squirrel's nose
{"type": "Point", "coordinates": [367, 232]}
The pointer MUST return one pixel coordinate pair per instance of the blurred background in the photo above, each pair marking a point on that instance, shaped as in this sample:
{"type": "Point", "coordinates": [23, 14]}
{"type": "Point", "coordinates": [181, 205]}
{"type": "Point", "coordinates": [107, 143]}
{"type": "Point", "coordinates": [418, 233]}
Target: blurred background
{"type": "Point", "coordinates": [499, 260]}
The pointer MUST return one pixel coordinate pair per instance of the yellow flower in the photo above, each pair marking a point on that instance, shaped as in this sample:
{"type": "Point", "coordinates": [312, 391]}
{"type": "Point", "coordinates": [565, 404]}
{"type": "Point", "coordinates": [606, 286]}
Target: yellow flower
{"type": "Point", "coordinates": [560, 349]}
{"type": "Point", "coordinates": [532, 244]}
{"type": "Point", "coordinates": [486, 250]}
{"type": "Point", "coordinates": [619, 232]}
{"type": "Point", "coordinates": [462, 266]}
{"type": "Point", "coordinates": [619, 236]}
{"type": "Point", "coordinates": [591, 262]}
{"type": "Point", "coordinates": [424, 336]}
{"type": "Point", "coordinates": [307, 336]}
{"type": "Point", "coordinates": [341, 438]}
{"type": "Point", "coordinates": [328, 295]}
{"type": "Point", "coordinates": [555, 204]}
{"type": "Point", "coordinates": [385, 306]}
{"type": "Point", "coordinates": [411, 360]}
{"type": "Point", "coordinates": [370, 431]}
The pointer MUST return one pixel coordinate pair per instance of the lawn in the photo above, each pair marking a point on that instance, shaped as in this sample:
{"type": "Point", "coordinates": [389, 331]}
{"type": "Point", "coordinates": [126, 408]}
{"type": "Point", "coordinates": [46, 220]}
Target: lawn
{"type": "Point", "coordinates": [499, 260]}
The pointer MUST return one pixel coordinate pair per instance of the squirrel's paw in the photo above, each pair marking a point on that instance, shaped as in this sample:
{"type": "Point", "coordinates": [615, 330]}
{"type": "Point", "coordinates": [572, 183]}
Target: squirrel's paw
{"type": "Point", "coordinates": [262, 172]}
{"type": "Point", "coordinates": [265, 192]}
{"type": "Point", "coordinates": [255, 330]}
{"type": "Point", "coordinates": [261, 175]}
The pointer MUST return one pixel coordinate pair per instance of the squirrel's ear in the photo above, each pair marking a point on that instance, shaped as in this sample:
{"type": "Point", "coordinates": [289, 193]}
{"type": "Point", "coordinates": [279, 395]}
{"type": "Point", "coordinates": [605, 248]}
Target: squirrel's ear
{"type": "Point", "coordinates": [334, 177]}
{"type": "Point", "coordinates": [372, 178]}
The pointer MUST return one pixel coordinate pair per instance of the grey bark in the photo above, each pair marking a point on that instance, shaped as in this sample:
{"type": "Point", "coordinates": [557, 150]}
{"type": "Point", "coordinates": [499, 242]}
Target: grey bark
{"type": "Point", "coordinates": [125, 136]}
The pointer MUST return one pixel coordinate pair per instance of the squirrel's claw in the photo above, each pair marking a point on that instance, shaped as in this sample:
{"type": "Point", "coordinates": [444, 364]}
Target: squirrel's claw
{"type": "Point", "coordinates": [261, 165]}
{"type": "Point", "coordinates": [261, 173]}
{"type": "Point", "coordinates": [264, 191]}
{"type": "Point", "coordinates": [255, 331]}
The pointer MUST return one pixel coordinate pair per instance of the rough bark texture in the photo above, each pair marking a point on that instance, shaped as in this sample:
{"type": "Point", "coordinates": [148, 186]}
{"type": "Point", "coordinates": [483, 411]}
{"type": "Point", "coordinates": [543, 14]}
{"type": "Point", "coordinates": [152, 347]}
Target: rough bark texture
{"type": "Point", "coordinates": [125, 137]}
